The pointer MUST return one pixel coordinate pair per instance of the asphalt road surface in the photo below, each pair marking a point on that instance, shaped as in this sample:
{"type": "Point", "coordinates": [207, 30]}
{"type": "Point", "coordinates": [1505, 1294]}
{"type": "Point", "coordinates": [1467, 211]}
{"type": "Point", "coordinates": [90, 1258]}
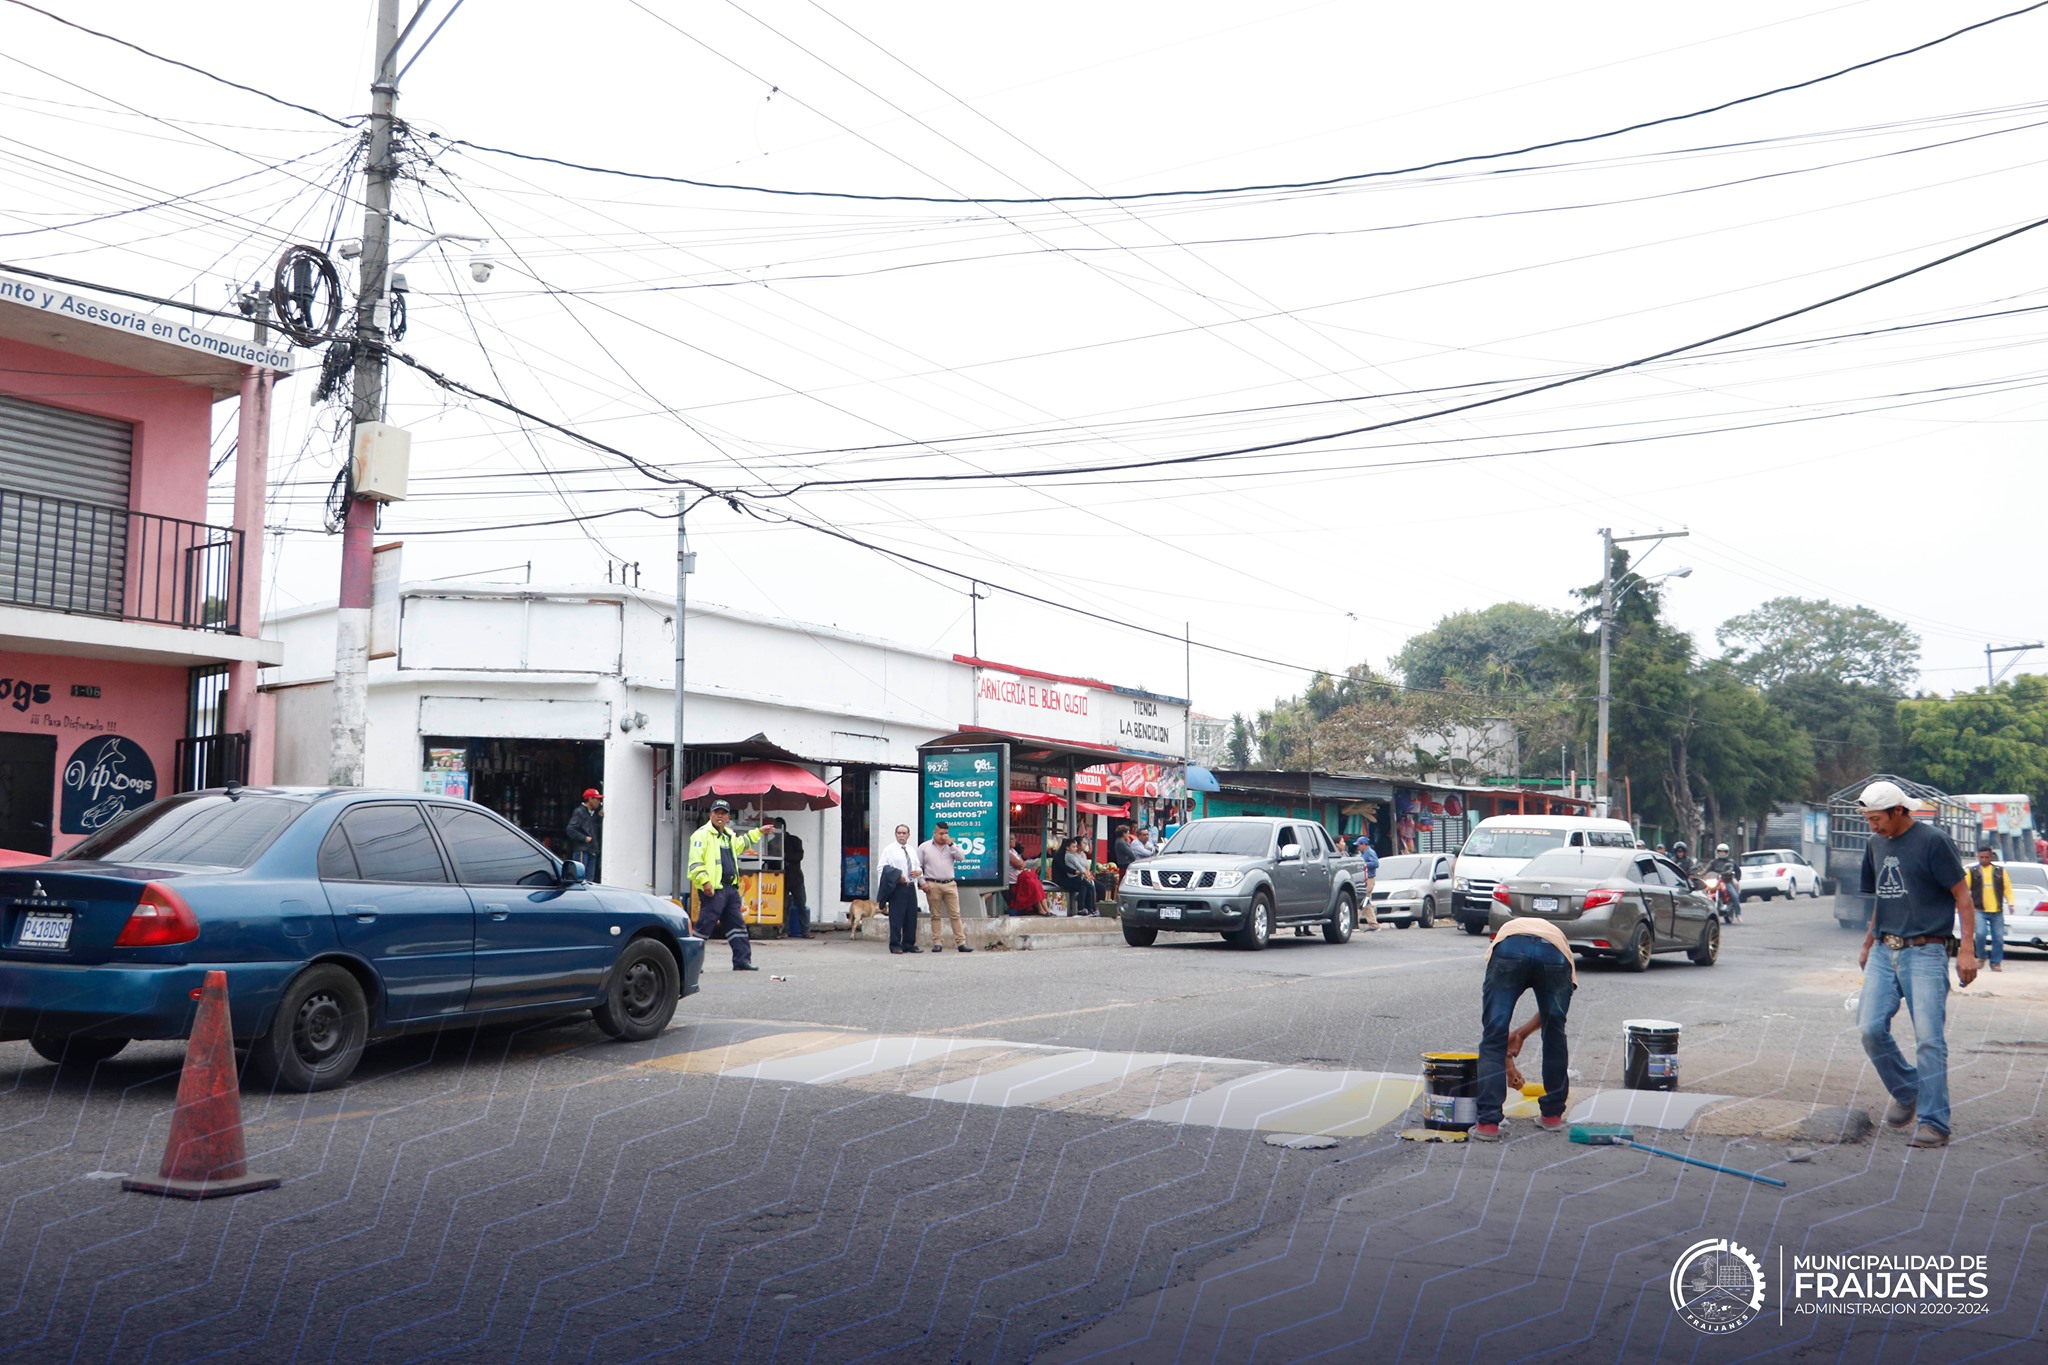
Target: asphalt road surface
{"type": "Point", "coordinates": [1066, 1155]}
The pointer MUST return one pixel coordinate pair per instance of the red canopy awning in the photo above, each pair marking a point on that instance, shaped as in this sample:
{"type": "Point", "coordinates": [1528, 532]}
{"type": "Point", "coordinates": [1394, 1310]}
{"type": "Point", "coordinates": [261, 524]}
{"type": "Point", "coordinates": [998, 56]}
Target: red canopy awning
{"type": "Point", "coordinates": [763, 783]}
{"type": "Point", "coordinates": [1097, 808]}
{"type": "Point", "coordinates": [1035, 799]}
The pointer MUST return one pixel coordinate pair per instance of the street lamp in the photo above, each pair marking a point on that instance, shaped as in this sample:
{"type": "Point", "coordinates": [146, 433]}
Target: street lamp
{"type": "Point", "coordinates": [1608, 602]}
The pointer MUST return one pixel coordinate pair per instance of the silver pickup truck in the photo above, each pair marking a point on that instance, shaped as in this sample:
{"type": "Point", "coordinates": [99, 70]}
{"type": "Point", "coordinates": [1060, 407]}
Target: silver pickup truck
{"type": "Point", "coordinates": [1242, 877]}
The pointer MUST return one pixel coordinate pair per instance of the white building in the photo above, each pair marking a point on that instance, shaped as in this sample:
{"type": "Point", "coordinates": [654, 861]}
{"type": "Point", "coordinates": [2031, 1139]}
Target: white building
{"type": "Point", "coordinates": [520, 697]}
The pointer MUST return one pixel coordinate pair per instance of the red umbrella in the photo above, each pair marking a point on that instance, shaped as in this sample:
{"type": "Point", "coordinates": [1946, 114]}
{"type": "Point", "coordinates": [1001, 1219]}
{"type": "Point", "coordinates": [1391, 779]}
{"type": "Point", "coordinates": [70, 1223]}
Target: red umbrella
{"type": "Point", "coordinates": [763, 783]}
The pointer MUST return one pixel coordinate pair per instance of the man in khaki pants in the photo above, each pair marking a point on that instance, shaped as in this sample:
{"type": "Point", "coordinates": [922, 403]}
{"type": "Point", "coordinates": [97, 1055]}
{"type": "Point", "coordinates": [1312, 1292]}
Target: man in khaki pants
{"type": "Point", "coordinates": [937, 857]}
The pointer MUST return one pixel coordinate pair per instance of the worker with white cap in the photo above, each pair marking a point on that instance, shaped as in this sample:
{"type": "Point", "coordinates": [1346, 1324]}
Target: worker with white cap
{"type": "Point", "coordinates": [1912, 871]}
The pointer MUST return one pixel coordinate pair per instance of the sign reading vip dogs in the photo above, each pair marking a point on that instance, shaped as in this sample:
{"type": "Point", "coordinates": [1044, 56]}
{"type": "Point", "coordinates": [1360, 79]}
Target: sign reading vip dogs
{"type": "Point", "coordinates": [106, 778]}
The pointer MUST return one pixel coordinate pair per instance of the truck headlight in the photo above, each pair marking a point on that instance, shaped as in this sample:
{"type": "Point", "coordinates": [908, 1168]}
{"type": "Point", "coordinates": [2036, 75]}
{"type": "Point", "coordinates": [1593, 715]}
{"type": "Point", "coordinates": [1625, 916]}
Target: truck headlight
{"type": "Point", "coordinates": [1226, 880]}
{"type": "Point", "coordinates": [1462, 884]}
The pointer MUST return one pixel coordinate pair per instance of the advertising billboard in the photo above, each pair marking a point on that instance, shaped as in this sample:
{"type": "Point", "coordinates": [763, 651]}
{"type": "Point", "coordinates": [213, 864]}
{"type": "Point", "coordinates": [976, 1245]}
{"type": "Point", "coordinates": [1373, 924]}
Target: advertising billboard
{"type": "Point", "coordinates": [968, 787]}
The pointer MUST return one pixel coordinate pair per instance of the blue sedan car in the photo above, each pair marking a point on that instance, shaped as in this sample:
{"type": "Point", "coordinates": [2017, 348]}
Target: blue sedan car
{"type": "Point", "coordinates": [339, 915]}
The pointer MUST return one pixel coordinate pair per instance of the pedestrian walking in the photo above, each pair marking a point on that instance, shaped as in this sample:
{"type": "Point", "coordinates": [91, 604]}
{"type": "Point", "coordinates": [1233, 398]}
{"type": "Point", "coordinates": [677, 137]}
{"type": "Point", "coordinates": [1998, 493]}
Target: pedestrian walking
{"type": "Point", "coordinates": [796, 908]}
{"type": "Point", "coordinates": [1991, 893]}
{"type": "Point", "coordinates": [1371, 856]}
{"type": "Point", "coordinates": [1527, 955]}
{"type": "Point", "coordinates": [939, 858]}
{"type": "Point", "coordinates": [715, 872]}
{"type": "Point", "coordinates": [898, 892]}
{"type": "Point", "coordinates": [1912, 870]}
{"type": "Point", "coordinates": [585, 833]}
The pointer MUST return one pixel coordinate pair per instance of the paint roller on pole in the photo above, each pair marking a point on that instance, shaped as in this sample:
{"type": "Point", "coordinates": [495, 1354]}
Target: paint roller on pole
{"type": "Point", "coordinates": [1603, 1135]}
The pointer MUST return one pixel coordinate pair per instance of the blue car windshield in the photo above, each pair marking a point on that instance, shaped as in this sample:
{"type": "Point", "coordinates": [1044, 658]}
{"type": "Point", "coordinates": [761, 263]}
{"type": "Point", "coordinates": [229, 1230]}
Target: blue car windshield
{"type": "Point", "coordinates": [206, 829]}
{"type": "Point", "coordinates": [1222, 837]}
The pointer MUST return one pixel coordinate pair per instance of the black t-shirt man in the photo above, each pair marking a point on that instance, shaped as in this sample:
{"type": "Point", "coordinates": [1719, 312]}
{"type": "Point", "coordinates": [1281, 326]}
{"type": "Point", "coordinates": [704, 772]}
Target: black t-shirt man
{"type": "Point", "coordinates": [1913, 878]}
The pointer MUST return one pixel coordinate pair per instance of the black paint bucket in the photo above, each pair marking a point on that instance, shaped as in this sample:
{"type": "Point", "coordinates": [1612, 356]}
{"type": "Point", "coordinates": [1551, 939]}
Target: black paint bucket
{"type": "Point", "coordinates": [1649, 1054]}
{"type": "Point", "coordinates": [1450, 1100]}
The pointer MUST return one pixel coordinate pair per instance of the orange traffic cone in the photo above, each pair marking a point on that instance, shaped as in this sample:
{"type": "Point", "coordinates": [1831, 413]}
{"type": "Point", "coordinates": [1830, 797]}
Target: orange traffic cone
{"type": "Point", "coordinates": [205, 1157]}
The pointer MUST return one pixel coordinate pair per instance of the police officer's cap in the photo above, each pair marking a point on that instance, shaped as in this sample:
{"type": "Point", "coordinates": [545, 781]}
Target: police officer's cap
{"type": "Point", "coordinates": [721, 804]}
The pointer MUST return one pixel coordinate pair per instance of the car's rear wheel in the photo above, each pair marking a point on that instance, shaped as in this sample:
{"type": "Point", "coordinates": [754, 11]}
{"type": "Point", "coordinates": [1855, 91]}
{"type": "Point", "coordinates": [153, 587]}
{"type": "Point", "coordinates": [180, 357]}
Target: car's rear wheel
{"type": "Point", "coordinates": [1258, 925]}
{"type": "Point", "coordinates": [1140, 936]}
{"type": "Point", "coordinates": [1428, 912]}
{"type": "Point", "coordinates": [1337, 929]}
{"type": "Point", "coordinates": [317, 1037]}
{"type": "Point", "coordinates": [69, 1051]}
{"type": "Point", "coordinates": [641, 996]}
{"type": "Point", "coordinates": [1640, 950]}
{"type": "Point", "coordinates": [1709, 951]}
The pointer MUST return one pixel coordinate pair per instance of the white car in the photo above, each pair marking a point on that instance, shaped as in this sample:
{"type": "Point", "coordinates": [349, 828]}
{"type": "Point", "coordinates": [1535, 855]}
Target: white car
{"type": "Point", "coordinates": [1414, 888]}
{"type": "Point", "coordinates": [2026, 924]}
{"type": "Point", "coordinates": [1773, 872]}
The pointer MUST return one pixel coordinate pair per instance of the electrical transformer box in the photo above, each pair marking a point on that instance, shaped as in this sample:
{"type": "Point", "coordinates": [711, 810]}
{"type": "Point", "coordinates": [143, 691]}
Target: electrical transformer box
{"type": "Point", "coordinates": [383, 461]}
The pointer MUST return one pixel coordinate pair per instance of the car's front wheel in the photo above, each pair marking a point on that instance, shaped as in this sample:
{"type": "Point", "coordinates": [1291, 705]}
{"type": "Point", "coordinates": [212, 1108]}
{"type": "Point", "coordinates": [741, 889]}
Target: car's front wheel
{"type": "Point", "coordinates": [641, 996]}
{"type": "Point", "coordinates": [1428, 920]}
{"type": "Point", "coordinates": [68, 1051]}
{"type": "Point", "coordinates": [1474, 929]}
{"type": "Point", "coordinates": [1338, 928]}
{"type": "Point", "coordinates": [317, 1037]}
{"type": "Point", "coordinates": [1140, 936]}
{"type": "Point", "coordinates": [1709, 950]}
{"type": "Point", "coordinates": [1258, 925]}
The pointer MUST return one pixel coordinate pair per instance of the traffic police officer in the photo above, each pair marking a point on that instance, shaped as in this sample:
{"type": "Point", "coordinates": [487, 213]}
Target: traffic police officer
{"type": "Point", "coordinates": [715, 872]}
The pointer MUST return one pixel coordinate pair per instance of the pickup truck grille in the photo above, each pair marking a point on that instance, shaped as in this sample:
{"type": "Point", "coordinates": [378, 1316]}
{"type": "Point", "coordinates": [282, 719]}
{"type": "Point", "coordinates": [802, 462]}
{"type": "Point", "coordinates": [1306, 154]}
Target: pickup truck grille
{"type": "Point", "coordinates": [1175, 879]}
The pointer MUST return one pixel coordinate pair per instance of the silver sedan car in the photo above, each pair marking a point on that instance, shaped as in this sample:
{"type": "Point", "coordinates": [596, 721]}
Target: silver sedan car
{"type": "Point", "coordinates": [1620, 904]}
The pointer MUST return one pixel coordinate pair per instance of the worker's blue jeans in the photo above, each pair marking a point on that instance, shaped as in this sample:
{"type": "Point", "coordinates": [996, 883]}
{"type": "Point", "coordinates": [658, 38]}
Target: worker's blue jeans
{"type": "Point", "coordinates": [1917, 978]}
{"type": "Point", "coordinates": [1523, 962]}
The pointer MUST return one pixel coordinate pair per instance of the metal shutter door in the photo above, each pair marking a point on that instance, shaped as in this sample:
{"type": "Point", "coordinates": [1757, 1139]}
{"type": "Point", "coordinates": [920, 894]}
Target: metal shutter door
{"type": "Point", "coordinates": [63, 507]}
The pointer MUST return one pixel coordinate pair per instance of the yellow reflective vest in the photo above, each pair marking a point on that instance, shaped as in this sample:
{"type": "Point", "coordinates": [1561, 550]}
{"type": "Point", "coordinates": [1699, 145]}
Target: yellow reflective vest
{"type": "Point", "coordinates": [707, 848]}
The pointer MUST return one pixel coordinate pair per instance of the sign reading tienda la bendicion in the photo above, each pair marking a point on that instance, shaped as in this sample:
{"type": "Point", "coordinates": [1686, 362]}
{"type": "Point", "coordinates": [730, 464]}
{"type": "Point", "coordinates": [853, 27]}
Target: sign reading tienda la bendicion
{"type": "Point", "coordinates": [968, 787]}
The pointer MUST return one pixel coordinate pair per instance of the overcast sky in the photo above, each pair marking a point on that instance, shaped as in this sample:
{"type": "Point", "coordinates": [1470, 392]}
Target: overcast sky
{"type": "Point", "coordinates": [757, 343]}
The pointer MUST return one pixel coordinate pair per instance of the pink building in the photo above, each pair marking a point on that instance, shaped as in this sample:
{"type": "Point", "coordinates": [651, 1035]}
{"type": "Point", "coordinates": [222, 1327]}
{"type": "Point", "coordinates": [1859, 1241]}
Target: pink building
{"type": "Point", "coordinates": [128, 625]}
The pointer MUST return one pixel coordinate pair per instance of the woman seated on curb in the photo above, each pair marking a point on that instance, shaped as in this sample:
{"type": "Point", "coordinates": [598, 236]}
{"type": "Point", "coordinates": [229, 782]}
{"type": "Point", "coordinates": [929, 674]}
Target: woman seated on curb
{"type": "Point", "coordinates": [1025, 895]}
{"type": "Point", "coordinates": [1074, 875]}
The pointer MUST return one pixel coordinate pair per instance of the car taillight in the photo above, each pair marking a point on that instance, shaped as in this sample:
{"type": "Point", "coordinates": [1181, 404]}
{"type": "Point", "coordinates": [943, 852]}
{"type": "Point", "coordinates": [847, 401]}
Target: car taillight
{"type": "Point", "coordinates": [160, 919]}
{"type": "Point", "coordinates": [1605, 895]}
{"type": "Point", "coordinates": [1500, 893]}
{"type": "Point", "coordinates": [1782, 871]}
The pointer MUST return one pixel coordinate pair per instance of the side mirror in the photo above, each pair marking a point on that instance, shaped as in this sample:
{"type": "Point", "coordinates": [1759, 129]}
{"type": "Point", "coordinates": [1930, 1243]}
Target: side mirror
{"type": "Point", "coordinates": [572, 872]}
{"type": "Point", "coordinates": [1290, 853]}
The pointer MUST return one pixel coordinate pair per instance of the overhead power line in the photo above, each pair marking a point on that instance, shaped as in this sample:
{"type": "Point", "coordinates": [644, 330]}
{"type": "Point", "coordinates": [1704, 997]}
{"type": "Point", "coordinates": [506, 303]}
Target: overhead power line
{"type": "Point", "coordinates": [1220, 191]}
{"type": "Point", "coordinates": [1436, 413]}
{"type": "Point", "coordinates": [196, 70]}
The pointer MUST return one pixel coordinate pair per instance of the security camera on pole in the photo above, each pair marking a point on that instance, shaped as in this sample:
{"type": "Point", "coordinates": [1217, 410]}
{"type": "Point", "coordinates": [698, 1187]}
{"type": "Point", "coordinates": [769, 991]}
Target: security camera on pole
{"type": "Point", "coordinates": [1608, 540]}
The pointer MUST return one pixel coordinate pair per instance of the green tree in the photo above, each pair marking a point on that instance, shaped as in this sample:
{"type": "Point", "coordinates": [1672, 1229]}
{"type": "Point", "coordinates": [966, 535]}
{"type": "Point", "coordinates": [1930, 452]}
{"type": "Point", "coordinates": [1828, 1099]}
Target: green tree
{"type": "Point", "coordinates": [1990, 740]}
{"type": "Point", "coordinates": [1853, 728]}
{"type": "Point", "coordinates": [1747, 756]}
{"type": "Point", "coordinates": [1240, 751]}
{"type": "Point", "coordinates": [1788, 636]}
{"type": "Point", "coordinates": [1500, 649]}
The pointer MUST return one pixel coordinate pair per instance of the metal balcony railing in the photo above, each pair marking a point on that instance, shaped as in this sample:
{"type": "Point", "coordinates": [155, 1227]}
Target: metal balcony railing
{"type": "Point", "coordinates": [204, 761]}
{"type": "Point", "coordinates": [83, 558]}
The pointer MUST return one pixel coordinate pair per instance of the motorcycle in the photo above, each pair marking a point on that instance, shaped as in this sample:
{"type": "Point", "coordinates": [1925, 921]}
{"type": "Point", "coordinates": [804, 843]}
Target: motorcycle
{"type": "Point", "coordinates": [1721, 894]}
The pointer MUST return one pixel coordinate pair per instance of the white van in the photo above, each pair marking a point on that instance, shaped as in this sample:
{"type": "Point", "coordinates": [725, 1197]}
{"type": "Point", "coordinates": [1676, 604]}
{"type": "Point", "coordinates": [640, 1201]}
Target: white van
{"type": "Point", "coordinates": [1498, 846]}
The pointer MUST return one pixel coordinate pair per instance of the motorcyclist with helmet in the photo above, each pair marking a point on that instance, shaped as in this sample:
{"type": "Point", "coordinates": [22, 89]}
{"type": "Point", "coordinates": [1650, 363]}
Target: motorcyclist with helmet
{"type": "Point", "coordinates": [1729, 870]}
{"type": "Point", "coordinates": [1681, 858]}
